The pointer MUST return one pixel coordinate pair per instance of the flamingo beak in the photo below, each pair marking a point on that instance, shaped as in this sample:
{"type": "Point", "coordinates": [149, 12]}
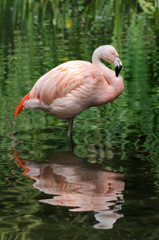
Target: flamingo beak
{"type": "Point", "coordinates": [118, 66]}
{"type": "Point", "coordinates": [117, 70]}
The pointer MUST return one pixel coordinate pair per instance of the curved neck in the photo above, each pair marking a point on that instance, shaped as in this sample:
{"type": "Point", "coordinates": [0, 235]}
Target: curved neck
{"type": "Point", "coordinates": [115, 84]}
{"type": "Point", "coordinates": [102, 68]}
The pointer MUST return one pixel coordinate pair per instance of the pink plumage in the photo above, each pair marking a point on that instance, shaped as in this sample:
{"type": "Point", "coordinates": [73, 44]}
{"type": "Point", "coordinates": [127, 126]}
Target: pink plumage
{"type": "Point", "coordinates": [74, 86]}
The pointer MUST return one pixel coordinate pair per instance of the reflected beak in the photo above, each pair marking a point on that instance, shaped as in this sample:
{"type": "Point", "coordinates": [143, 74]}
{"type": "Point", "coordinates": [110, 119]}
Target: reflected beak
{"type": "Point", "coordinates": [118, 66]}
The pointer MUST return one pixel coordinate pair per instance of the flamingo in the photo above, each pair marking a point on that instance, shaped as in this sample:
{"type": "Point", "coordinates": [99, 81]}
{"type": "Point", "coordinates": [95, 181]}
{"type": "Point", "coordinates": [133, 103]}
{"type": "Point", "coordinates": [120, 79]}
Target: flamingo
{"type": "Point", "coordinates": [73, 86]}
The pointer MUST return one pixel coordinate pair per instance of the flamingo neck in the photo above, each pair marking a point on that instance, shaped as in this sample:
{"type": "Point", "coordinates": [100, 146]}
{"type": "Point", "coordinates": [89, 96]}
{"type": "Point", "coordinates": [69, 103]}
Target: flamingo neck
{"type": "Point", "coordinates": [103, 69]}
{"type": "Point", "coordinates": [115, 84]}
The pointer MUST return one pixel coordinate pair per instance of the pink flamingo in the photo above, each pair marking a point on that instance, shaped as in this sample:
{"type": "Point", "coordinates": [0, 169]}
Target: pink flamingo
{"type": "Point", "coordinates": [68, 89]}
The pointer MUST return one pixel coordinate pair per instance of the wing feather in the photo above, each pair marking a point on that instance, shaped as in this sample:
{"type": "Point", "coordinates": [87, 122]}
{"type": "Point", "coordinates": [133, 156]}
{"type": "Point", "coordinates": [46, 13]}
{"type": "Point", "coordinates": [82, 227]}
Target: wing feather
{"type": "Point", "coordinates": [60, 81]}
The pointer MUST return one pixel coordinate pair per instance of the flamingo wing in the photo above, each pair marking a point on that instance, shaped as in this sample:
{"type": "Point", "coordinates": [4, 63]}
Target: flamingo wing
{"type": "Point", "coordinates": [60, 81]}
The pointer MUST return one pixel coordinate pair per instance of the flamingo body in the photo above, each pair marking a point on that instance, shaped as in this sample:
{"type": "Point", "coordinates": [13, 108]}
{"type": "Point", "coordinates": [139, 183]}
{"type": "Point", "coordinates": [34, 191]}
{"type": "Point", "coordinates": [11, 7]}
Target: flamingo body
{"type": "Point", "coordinates": [74, 86]}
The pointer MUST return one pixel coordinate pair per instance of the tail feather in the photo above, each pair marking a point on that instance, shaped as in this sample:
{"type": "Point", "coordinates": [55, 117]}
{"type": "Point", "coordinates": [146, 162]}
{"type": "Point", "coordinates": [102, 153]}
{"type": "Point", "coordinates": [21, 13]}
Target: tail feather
{"type": "Point", "coordinates": [19, 108]}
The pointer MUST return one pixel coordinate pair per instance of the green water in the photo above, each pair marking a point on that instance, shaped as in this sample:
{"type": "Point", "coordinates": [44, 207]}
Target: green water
{"type": "Point", "coordinates": [109, 187]}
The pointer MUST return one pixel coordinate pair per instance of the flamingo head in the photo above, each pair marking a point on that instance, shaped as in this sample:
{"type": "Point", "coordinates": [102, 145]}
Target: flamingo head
{"type": "Point", "coordinates": [110, 55]}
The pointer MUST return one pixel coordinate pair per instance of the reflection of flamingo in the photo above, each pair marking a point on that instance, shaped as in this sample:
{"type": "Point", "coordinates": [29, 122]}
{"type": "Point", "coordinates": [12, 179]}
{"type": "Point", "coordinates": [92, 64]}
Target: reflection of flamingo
{"type": "Point", "coordinates": [74, 86]}
{"type": "Point", "coordinates": [78, 184]}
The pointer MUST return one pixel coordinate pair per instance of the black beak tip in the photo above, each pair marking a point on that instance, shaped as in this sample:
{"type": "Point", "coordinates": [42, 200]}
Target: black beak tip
{"type": "Point", "coordinates": [117, 70]}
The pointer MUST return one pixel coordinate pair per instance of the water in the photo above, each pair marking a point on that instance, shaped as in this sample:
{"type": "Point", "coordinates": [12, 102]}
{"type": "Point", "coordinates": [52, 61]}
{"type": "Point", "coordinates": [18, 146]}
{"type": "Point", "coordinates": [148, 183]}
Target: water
{"type": "Point", "coordinates": [109, 187]}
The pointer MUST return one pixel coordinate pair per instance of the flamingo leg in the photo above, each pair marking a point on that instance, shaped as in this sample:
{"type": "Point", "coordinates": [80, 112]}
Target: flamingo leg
{"type": "Point", "coordinates": [69, 135]}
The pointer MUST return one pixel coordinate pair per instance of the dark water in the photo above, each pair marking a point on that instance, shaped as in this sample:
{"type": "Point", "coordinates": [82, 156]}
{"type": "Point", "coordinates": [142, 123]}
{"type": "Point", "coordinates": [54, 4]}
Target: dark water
{"type": "Point", "coordinates": [109, 187]}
